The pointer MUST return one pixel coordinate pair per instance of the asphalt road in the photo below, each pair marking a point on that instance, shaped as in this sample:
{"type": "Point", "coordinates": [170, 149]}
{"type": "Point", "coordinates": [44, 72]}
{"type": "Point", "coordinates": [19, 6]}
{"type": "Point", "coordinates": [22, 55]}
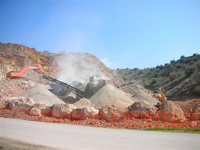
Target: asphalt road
{"type": "Point", "coordinates": [72, 137]}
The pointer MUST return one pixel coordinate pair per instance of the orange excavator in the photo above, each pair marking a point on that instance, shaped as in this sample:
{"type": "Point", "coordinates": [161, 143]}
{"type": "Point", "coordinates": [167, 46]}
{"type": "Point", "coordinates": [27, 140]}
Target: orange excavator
{"type": "Point", "coordinates": [23, 71]}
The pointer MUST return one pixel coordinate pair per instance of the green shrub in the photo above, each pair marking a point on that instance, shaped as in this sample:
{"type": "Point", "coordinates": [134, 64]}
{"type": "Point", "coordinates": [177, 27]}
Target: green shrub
{"type": "Point", "coordinates": [190, 70]}
{"type": "Point", "coordinates": [195, 59]}
{"type": "Point", "coordinates": [186, 61]}
{"type": "Point", "coordinates": [182, 57]}
{"type": "Point", "coordinates": [179, 74]}
{"type": "Point", "coordinates": [153, 81]}
{"type": "Point", "coordinates": [172, 76]}
{"type": "Point", "coordinates": [156, 75]}
{"type": "Point", "coordinates": [197, 89]}
{"type": "Point", "coordinates": [198, 65]}
{"type": "Point", "coordinates": [178, 67]}
{"type": "Point", "coordinates": [172, 61]}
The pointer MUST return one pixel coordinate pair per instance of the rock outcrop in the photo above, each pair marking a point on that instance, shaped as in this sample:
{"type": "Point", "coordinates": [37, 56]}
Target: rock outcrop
{"type": "Point", "coordinates": [20, 104]}
{"type": "Point", "coordinates": [84, 113]}
{"type": "Point", "coordinates": [62, 110]}
{"type": "Point", "coordinates": [111, 114]}
{"type": "Point", "coordinates": [141, 109]}
{"type": "Point", "coordinates": [41, 109]}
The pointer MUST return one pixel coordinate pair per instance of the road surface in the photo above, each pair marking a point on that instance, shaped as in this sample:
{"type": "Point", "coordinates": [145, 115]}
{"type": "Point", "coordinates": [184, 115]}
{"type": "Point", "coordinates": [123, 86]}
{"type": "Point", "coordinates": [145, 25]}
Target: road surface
{"type": "Point", "coordinates": [73, 137]}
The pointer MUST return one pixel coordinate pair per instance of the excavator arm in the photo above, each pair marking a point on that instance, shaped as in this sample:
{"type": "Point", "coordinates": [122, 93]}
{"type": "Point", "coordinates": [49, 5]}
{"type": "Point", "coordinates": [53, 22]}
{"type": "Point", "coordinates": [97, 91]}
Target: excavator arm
{"type": "Point", "coordinates": [21, 74]}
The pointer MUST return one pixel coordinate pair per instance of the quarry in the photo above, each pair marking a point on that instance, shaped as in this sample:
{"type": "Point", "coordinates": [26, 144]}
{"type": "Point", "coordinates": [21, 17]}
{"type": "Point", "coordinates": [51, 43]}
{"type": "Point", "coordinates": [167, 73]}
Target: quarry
{"type": "Point", "coordinates": [76, 88]}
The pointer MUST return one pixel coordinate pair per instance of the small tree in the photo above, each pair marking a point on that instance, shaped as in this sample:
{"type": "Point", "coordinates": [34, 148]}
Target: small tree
{"type": "Point", "coordinates": [190, 70]}
{"type": "Point", "coordinates": [182, 56]}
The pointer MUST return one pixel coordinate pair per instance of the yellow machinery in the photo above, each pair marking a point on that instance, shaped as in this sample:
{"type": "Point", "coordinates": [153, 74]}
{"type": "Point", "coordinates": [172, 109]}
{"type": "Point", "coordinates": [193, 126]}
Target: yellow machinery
{"type": "Point", "coordinates": [160, 95]}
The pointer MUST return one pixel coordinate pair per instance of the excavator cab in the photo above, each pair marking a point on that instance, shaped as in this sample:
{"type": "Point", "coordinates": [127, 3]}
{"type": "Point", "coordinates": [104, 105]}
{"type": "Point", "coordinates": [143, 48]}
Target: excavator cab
{"type": "Point", "coordinates": [159, 94]}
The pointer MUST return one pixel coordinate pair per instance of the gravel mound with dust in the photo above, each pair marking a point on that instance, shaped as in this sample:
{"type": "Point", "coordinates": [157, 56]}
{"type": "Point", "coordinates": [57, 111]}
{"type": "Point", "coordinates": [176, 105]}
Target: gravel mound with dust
{"type": "Point", "coordinates": [138, 92]}
{"type": "Point", "coordinates": [109, 95]}
{"type": "Point", "coordinates": [40, 94]}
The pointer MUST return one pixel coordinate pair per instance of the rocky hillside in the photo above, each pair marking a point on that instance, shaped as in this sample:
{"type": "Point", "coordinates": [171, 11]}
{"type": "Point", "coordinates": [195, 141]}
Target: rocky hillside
{"type": "Point", "coordinates": [13, 57]}
{"type": "Point", "coordinates": [179, 79]}
{"type": "Point", "coordinates": [64, 66]}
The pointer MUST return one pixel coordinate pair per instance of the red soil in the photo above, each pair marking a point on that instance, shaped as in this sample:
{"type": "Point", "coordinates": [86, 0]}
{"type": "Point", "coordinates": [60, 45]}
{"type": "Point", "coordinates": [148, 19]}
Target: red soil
{"type": "Point", "coordinates": [128, 123]}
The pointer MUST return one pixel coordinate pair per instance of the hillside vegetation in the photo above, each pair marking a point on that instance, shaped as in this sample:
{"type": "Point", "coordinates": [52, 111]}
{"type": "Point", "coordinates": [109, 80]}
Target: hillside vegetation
{"type": "Point", "coordinates": [179, 78]}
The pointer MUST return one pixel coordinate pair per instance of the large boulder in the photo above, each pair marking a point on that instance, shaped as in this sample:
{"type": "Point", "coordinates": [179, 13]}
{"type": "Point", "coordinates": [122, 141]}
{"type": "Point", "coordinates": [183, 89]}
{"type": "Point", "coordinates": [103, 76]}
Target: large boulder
{"type": "Point", "coordinates": [84, 113]}
{"type": "Point", "coordinates": [40, 108]}
{"type": "Point", "coordinates": [111, 114]}
{"type": "Point", "coordinates": [141, 109]}
{"type": "Point", "coordinates": [35, 112]}
{"type": "Point", "coordinates": [5, 100]}
{"type": "Point", "coordinates": [21, 104]}
{"type": "Point", "coordinates": [170, 112]}
{"type": "Point", "coordinates": [62, 110]}
{"type": "Point", "coordinates": [82, 103]}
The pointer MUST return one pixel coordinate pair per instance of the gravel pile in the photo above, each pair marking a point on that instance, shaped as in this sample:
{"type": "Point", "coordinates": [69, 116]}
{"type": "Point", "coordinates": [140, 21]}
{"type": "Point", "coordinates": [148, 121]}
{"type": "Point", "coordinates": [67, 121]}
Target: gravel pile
{"type": "Point", "coordinates": [109, 95]}
{"type": "Point", "coordinates": [39, 94]}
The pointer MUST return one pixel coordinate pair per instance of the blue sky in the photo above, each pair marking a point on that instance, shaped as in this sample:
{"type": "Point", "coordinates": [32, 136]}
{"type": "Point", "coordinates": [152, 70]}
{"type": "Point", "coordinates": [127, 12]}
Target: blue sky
{"type": "Point", "coordinates": [121, 33]}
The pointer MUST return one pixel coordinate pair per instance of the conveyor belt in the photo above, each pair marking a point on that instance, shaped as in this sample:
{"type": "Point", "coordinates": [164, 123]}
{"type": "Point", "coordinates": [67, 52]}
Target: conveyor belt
{"type": "Point", "coordinates": [71, 88]}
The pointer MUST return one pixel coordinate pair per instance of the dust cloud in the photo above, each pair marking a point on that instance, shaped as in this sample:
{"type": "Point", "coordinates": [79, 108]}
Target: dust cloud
{"type": "Point", "coordinates": [77, 67]}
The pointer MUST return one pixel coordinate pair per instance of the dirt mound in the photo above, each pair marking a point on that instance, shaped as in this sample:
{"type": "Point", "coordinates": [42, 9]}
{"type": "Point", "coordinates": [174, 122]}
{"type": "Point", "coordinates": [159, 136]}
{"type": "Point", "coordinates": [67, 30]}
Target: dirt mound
{"type": "Point", "coordinates": [109, 95]}
{"type": "Point", "coordinates": [13, 87]}
{"type": "Point", "coordinates": [141, 109]}
{"type": "Point", "coordinates": [82, 103]}
{"type": "Point", "coordinates": [191, 108]}
{"type": "Point", "coordinates": [39, 93]}
{"type": "Point", "coordinates": [170, 112]}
